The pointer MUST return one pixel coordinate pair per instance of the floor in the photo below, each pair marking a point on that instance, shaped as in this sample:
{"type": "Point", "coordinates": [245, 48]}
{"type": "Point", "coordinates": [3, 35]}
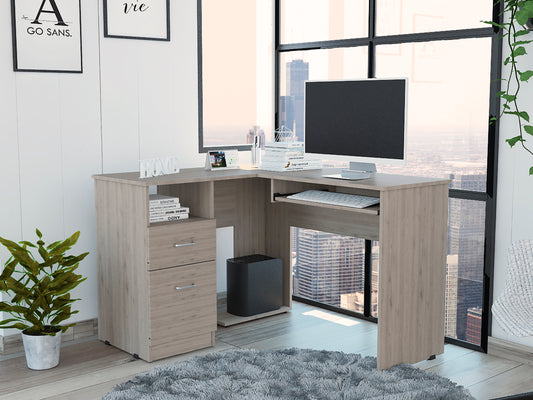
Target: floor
{"type": "Point", "coordinates": [88, 368]}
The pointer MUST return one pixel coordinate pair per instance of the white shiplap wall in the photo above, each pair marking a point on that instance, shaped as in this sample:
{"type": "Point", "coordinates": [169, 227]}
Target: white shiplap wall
{"type": "Point", "coordinates": [135, 99]}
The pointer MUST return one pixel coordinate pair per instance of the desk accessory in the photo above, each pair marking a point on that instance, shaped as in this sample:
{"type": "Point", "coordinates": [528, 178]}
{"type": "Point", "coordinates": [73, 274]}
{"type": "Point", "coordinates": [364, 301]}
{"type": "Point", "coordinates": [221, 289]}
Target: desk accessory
{"type": "Point", "coordinates": [158, 166]}
{"type": "Point", "coordinates": [256, 151]}
{"type": "Point", "coordinates": [221, 159]}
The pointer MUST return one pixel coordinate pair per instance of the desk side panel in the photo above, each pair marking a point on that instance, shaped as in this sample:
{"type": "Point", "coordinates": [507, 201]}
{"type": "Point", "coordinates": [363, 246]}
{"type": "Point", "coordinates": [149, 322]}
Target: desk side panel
{"type": "Point", "coordinates": [121, 220]}
{"type": "Point", "coordinates": [413, 237]}
{"type": "Point", "coordinates": [241, 203]}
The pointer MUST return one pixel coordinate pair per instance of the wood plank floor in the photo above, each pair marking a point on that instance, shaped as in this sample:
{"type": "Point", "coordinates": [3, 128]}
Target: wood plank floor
{"type": "Point", "coordinates": [88, 368]}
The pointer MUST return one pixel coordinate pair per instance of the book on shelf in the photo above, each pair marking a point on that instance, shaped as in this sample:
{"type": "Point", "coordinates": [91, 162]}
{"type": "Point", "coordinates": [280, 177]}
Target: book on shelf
{"type": "Point", "coordinates": [173, 211]}
{"type": "Point", "coordinates": [292, 165]}
{"type": "Point", "coordinates": [161, 200]}
{"type": "Point", "coordinates": [294, 158]}
{"type": "Point", "coordinates": [165, 207]}
{"type": "Point", "coordinates": [284, 145]}
{"type": "Point", "coordinates": [166, 218]}
{"type": "Point", "coordinates": [282, 151]}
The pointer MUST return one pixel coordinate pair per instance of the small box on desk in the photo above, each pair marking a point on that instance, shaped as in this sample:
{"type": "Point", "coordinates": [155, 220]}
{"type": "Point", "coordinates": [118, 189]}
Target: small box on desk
{"type": "Point", "coordinates": [254, 284]}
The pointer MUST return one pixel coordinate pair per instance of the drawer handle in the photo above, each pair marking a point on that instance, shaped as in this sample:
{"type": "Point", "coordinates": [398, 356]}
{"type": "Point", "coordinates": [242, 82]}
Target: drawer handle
{"type": "Point", "coordinates": [185, 287]}
{"type": "Point", "coordinates": [176, 245]}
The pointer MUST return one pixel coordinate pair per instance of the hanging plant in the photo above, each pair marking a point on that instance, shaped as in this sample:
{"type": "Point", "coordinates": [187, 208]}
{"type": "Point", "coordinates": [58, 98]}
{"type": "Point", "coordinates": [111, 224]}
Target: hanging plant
{"type": "Point", "coordinates": [517, 35]}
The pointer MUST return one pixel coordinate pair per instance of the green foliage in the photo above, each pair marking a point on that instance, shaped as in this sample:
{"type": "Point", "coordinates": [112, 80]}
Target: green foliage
{"type": "Point", "coordinates": [517, 38]}
{"type": "Point", "coordinates": [40, 290]}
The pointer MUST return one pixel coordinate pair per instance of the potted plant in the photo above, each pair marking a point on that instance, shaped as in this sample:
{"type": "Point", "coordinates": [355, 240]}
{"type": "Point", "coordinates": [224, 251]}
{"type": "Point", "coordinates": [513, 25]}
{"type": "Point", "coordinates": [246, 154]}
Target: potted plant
{"type": "Point", "coordinates": [40, 295]}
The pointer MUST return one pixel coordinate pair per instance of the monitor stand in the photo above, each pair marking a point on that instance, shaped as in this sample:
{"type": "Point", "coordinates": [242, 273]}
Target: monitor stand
{"type": "Point", "coordinates": [357, 170]}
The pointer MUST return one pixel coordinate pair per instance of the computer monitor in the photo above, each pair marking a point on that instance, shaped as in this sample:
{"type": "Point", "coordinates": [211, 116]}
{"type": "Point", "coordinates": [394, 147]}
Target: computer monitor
{"type": "Point", "coordinates": [358, 121]}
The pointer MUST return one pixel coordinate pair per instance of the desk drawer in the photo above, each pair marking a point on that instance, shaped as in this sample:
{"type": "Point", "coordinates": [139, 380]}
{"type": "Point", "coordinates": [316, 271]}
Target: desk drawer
{"type": "Point", "coordinates": [182, 243]}
{"type": "Point", "coordinates": [182, 302]}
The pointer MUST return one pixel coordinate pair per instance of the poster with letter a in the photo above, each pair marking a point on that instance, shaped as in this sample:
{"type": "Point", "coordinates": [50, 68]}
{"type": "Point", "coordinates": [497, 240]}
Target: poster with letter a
{"type": "Point", "coordinates": [46, 35]}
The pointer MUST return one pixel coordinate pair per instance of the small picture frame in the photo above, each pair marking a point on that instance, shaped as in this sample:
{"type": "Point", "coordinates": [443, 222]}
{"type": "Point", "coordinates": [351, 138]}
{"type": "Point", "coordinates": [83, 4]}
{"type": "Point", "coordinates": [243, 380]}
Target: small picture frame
{"type": "Point", "coordinates": [221, 159]}
{"type": "Point", "coordinates": [137, 19]}
{"type": "Point", "coordinates": [46, 36]}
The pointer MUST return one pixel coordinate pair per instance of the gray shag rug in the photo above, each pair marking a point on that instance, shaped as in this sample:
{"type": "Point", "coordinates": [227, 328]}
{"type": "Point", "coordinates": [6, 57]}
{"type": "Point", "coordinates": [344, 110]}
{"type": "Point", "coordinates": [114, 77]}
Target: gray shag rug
{"type": "Point", "coordinates": [285, 374]}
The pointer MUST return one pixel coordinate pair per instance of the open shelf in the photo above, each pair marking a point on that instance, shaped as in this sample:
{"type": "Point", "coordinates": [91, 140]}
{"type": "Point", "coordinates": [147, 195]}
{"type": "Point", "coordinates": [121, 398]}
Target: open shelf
{"type": "Point", "coordinates": [372, 210]}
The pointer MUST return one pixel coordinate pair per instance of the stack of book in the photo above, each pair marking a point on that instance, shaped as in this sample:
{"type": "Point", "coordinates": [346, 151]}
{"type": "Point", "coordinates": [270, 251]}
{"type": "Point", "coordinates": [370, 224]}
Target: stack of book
{"type": "Point", "coordinates": [166, 208]}
{"type": "Point", "coordinates": [287, 156]}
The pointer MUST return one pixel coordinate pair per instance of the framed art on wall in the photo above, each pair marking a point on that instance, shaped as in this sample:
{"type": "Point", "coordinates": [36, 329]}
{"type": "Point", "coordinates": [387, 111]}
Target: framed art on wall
{"type": "Point", "coordinates": [137, 19]}
{"type": "Point", "coordinates": [46, 35]}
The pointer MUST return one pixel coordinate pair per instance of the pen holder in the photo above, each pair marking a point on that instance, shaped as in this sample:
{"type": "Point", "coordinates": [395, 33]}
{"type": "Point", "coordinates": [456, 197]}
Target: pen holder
{"type": "Point", "coordinates": [256, 152]}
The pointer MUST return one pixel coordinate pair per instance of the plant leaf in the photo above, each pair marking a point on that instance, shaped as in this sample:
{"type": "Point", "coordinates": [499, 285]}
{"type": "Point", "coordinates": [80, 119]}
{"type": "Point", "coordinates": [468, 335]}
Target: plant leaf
{"type": "Point", "coordinates": [494, 24]}
{"type": "Point", "coordinates": [521, 33]}
{"type": "Point", "coordinates": [8, 270]}
{"type": "Point", "coordinates": [519, 51]}
{"type": "Point", "coordinates": [531, 171]}
{"type": "Point", "coordinates": [514, 140]}
{"type": "Point", "coordinates": [521, 114]}
{"type": "Point", "coordinates": [39, 234]}
{"type": "Point", "coordinates": [508, 97]}
{"type": "Point", "coordinates": [522, 16]}
{"type": "Point", "coordinates": [18, 325]}
{"type": "Point", "coordinates": [528, 129]}
{"type": "Point", "coordinates": [524, 76]}
{"type": "Point", "coordinates": [521, 42]}
{"type": "Point", "coordinates": [29, 244]}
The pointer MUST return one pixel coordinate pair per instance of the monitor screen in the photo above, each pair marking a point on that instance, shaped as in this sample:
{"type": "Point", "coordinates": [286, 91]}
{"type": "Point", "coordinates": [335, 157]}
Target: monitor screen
{"type": "Point", "coordinates": [363, 119]}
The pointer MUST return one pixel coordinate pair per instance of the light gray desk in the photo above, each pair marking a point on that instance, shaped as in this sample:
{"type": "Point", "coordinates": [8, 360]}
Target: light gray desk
{"type": "Point", "coordinates": [141, 312]}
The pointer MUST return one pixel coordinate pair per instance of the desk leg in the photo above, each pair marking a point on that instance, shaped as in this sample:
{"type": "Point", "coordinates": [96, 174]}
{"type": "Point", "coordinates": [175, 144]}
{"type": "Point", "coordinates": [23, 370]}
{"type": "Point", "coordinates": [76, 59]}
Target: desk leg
{"type": "Point", "coordinates": [413, 236]}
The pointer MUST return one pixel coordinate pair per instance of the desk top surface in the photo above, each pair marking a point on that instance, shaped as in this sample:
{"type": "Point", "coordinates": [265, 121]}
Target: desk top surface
{"type": "Point", "coordinates": [190, 175]}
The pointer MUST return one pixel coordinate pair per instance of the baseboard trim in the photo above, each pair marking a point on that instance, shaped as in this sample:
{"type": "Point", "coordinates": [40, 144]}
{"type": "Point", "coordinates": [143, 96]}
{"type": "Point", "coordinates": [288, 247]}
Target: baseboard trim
{"type": "Point", "coordinates": [509, 350]}
{"type": "Point", "coordinates": [13, 343]}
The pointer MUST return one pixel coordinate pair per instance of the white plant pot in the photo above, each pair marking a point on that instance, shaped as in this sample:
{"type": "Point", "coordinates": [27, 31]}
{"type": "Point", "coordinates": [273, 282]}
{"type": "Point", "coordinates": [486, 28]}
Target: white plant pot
{"type": "Point", "coordinates": [42, 352]}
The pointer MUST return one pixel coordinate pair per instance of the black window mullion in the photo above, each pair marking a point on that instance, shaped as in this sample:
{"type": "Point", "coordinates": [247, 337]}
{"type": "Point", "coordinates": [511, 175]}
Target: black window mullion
{"type": "Point", "coordinates": [371, 71]}
{"type": "Point", "coordinates": [467, 195]}
{"type": "Point", "coordinates": [322, 45]}
{"type": "Point", "coordinates": [367, 281]}
{"type": "Point", "coordinates": [277, 61]}
{"type": "Point", "coordinates": [434, 36]}
{"type": "Point", "coordinates": [492, 177]}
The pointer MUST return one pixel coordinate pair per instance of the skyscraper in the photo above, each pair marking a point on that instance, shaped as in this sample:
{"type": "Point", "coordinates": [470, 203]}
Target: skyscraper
{"type": "Point", "coordinates": [473, 325]}
{"type": "Point", "coordinates": [450, 313]}
{"type": "Point", "coordinates": [292, 104]}
{"type": "Point", "coordinates": [327, 265]}
{"type": "Point", "coordinates": [466, 238]}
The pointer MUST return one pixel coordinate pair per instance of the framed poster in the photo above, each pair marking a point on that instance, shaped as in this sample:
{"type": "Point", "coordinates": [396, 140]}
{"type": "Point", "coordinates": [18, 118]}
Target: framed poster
{"type": "Point", "coordinates": [46, 35]}
{"type": "Point", "coordinates": [137, 19]}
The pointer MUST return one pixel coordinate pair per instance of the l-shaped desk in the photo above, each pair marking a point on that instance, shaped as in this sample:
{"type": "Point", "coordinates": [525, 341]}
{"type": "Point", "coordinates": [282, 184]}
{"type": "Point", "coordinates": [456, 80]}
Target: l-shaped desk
{"type": "Point", "coordinates": [157, 287]}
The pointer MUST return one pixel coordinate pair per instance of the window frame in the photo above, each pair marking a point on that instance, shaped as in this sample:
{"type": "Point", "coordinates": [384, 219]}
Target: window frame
{"type": "Point", "coordinates": [201, 147]}
{"type": "Point", "coordinates": [489, 196]}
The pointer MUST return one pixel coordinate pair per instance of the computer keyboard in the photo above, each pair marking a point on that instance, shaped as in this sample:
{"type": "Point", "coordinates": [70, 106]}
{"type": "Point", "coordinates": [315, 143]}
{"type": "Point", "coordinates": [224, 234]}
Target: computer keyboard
{"type": "Point", "coordinates": [337, 199]}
